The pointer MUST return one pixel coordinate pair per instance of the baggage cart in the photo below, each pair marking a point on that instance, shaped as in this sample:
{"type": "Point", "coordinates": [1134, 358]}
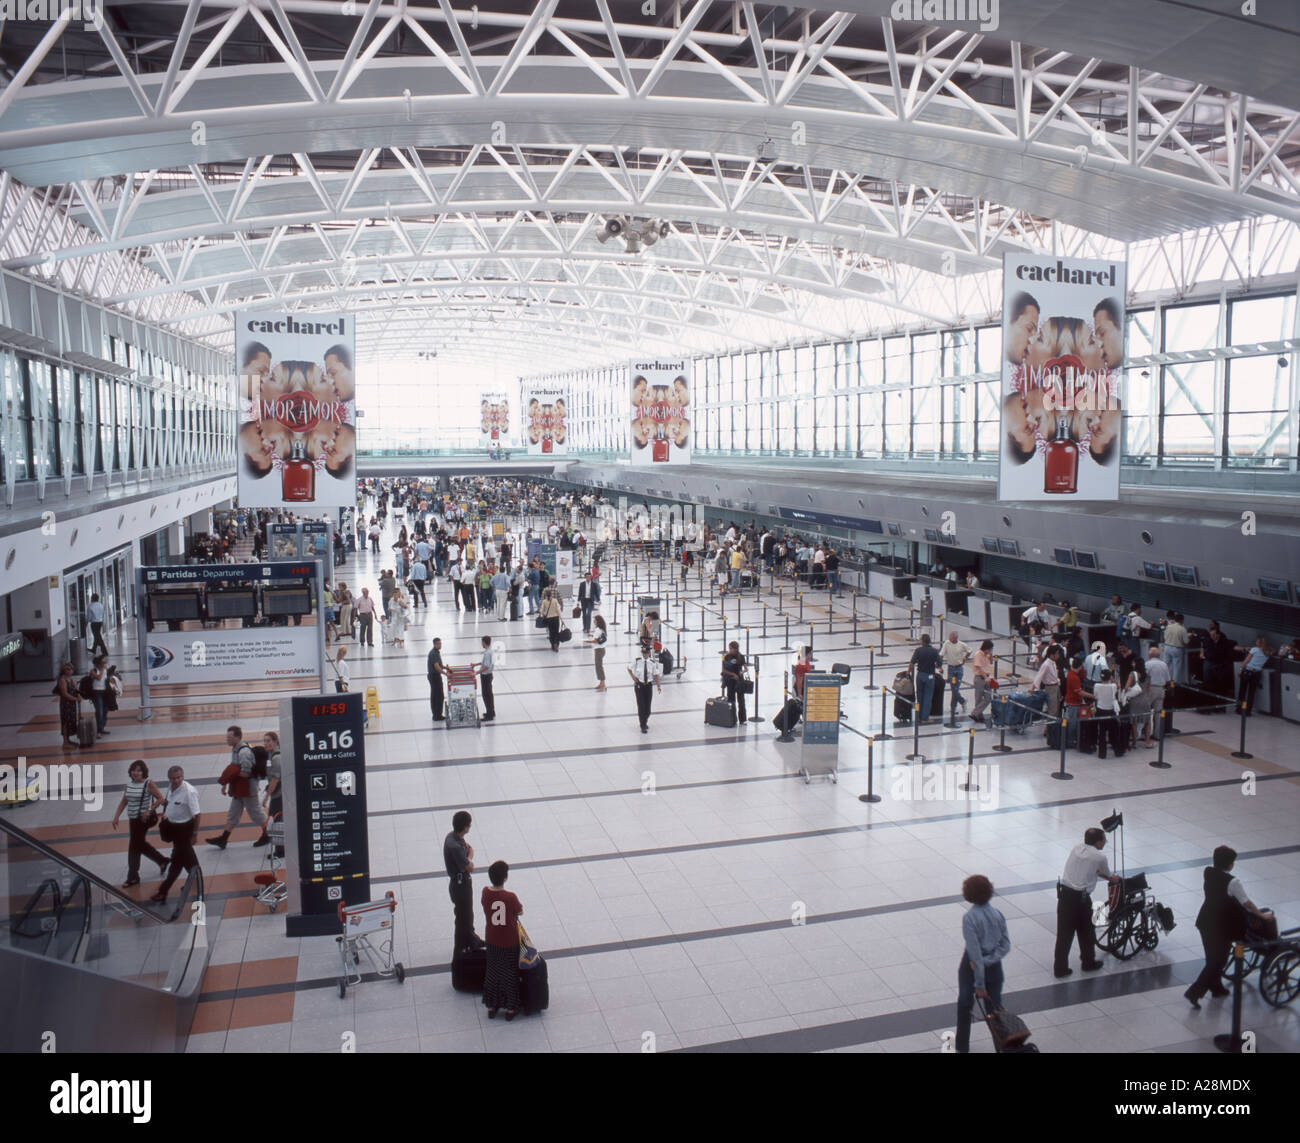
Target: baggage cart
{"type": "Point", "coordinates": [363, 925]}
{"type": "Point", "coordinates": [462, 697]}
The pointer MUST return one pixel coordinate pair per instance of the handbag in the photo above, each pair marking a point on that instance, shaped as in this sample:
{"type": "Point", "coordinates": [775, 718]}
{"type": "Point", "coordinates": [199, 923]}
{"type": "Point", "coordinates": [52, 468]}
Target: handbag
{"type": "Point", "coordinates": [540, 622]}
{"type": "Point", "coordinates": [1008, 1030]}
{"type": "Point", "coordinates": [577, 612]}
{"type": "Point", "coordinates": [528, 954]}
{"type": "Point", "coordinates": [746, 685]}
{"type": "Point", "coordinates": [565, 634]}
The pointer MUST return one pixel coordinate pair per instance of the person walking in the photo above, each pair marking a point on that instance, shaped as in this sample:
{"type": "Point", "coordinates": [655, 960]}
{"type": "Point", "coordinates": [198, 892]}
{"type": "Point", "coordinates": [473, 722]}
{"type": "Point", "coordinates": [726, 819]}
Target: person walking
{"type": "Point", "coordinates": [925, 663]}
{"type": "Point", "coordinates": [550, 614]}
{"type": "Point", "coordinates": [485, 670]}
{"type": "Point", "coordinates": [534, 577]}
{"type": "Point", "coordinates": [178, 824]}
{"type": "Point", "coordinates": [982, 665]}
{"type": "Point", "coordinates": [273, 798]}
{"type": "Point", "coordinates": [1221, 921]}
{"type": "Point", "coordinates": [733, 676]}
{"type": "Point", "coordinates": [458, 857]}
{"type": "Point", "coordinates": [468, 577]}
{"type": "Point", "coordinates": [644, 672]}
{"type": "Point", "coordinates": [387, 588]}
{"type": "Point", "coordinates": [986, 943]}
{"type": "Point", "coordinates": [598, 640]}
{"type": "Point", "coordinates": [588, 597]}
{"type": "Point", "coordinates": [69, 701]}
{"type": "Point", "coordinates": [400, 612]}
{"type": "Point", "coordinates": [502, 910]}
{"type": "Point", "coordinates": [954, 654]}
{"type": "Point", "coordinates": [365, 609]}
{"type": "Point", "coordinates": [342, 671]}
{"type": "Point", "coordinates": [419, 577]}
{"type": "Point", "coordinates": [1074, 903]}
{"type": "Point", "coordinates": [95, 617]}
{"type": "Point", "coordinates": [436, 671]}
{"type": "Point", "coordinates": [238, 781]}
{"type": "Point", "coordinates": [139, 801]}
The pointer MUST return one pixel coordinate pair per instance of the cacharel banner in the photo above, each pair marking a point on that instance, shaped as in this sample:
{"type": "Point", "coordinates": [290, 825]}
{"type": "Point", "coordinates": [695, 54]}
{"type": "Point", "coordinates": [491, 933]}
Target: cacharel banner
{"type": "Point", "coordinates": [546, 422]}
{"type": "Point", "coordinates": [1063, 350]}
{"type": "Point", "coordinates": [661, 412]}
{"type": "Point", "coordinates": [297, 434]}
{"type": "Point", "coordinates": [252, 653]}
{"type": "Point", "coordinates": [494, 424]}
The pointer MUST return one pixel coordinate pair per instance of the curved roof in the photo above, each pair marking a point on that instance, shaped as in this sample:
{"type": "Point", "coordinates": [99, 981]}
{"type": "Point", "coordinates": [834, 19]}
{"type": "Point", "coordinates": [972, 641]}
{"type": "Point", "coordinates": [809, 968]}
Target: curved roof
{"type": "Point", "coordinates": [447, 172]}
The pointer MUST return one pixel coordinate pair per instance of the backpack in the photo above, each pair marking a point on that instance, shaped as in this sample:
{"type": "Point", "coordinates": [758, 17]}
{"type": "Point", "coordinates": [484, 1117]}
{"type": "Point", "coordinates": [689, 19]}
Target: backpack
{"type": "Point", "coordinates": [86, 688]}
{"type": "Point", "coordinates": [259, 762]}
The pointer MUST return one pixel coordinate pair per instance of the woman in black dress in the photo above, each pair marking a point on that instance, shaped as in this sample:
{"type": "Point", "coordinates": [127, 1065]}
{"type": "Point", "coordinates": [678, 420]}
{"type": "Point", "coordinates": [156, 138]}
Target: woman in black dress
{"type": "Point", "coordinates": [66, 689]}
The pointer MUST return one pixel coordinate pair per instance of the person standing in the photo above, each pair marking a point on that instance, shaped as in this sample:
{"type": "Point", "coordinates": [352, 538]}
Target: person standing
{"type": "Point", "coordinates": [1093, 666]}
{"type": "Point", "coordinates": [598, 640]}
{"type": "Point", "coordinates": [343, 602]}
{"type": "Point", "coordinates": [273, 798]}
{"type": "Point", "coordinates": [1217, 659]}
{"type": "Point", "coordinates": [1221, 921]}
{"type": "Point", "coordinates": [1134, 627]}
{"type": "Point", "coordinates": [1251, 672]}
{"type": "Point", "coordinates": [1048, 680]}
{"type": "Point", "coordinates": [468, 576]}
{"type": "Point", "coordinates": [437, 698]}
{"type": "Point", "coordinates": [1158, 679]}
{"type": "Point", "coordinates": [365, 609]}
{"type": "Point", "coordinates": [1174, 652]}
{"type": "Point", "coordinates": [181, 813]}
{"type": "Point", "coordinates": [387, 588]}
{"type": "Point", "coordinates": [925, 663]}
{"type": "Point", "coordinates": [982, 665]}
{"type": "Point", "coordinates": [588, 597]}
{"type": "Point", "coordinates": [95, 616]}
{"type": "Point", "coordinates": [458, 857]}
{"type": "Point", "coordinates": [1074, 903]}
{"type": "Point", "coordinates": [501, 593]}
{"type": "Point", "coordinates": [342, 671]}
{"type": "Point", "coordinates": [139, 800]}
{"type": "Point", "coordinates": [69, 699]}
{"type": "Point", "coordinates": [954, 654]}
{"type": "Point", "coordinates": [502, 910]}
{"type": "Point", "coordinates": [99, 693]}
{"type": "Point", "coordinates": [733, 676]}
{"type": "Point", "coordinates": [238, 781]}
{"type": "Point", "coordinates": [986, 944]}
{"type": "Point", "coordinates": [485, 669]}
{"type": "Point", "coordinates": [645, 675]}
{"type": "Point", "coordinates": [401, 618]}
{"type": "Point", "coordinates": [1106, 695]}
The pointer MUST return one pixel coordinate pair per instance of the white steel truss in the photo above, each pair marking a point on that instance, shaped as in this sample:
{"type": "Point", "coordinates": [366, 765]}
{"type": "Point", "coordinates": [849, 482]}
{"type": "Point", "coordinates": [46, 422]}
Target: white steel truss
{"type": "Point", "coordinates": [848, 176]}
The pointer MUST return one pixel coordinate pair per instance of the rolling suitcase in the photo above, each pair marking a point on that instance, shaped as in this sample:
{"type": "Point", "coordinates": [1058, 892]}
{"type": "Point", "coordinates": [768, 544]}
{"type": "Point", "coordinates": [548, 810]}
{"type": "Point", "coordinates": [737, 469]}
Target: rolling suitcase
{"type": "Point", "coordinates": [902, 709]}
{"type": "Point", "coordinates": [468, 970]}
{"type": "Point", "coordinates": [534, 988]}
{"type": "Point", "coordinates": [1087, 734]}
{"type": "Point", "coordinates": [719, 712]}
{"type": "Point", "coordinates": [86, 730]}
{"type": "Point", "coordinates": [790, 715]}
{"type": "Point", "coordinates": [666, 661]}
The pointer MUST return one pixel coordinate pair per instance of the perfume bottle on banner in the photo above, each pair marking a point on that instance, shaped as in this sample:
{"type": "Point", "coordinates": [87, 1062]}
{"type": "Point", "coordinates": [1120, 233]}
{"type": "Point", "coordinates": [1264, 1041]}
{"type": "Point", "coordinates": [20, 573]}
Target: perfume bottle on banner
{"type": "Point", "coordinates": [298, 475]}
{"type": "Point", "coordinates": [1061, 462]}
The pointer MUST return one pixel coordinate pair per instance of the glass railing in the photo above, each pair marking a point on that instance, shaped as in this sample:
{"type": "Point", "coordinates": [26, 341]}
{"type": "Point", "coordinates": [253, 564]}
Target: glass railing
{"type": "Point", "coordinates": [57, 909]}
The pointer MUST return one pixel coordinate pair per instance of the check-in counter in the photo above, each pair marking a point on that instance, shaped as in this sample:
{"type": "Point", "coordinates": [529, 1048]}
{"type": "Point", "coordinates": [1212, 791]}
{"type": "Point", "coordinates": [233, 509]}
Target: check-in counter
{"type": "Point", "coordinates": [1004, 618]}
{"type": "Point", "coordinates": [1290, 691]}
{"type": "Point", "coordinates": [977, 611]}
{"type": "Point", "coordinates": [887, 583]}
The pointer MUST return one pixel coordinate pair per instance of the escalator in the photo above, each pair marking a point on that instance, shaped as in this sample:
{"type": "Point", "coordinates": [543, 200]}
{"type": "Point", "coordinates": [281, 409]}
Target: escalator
{"type": "Point", "coordinates": [83, 966]}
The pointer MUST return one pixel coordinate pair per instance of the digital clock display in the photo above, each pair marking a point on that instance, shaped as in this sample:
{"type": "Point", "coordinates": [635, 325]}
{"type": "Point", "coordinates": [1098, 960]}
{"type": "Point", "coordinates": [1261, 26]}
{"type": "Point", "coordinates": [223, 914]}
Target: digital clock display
{"type": "Point", "coordinates": [327, 709]}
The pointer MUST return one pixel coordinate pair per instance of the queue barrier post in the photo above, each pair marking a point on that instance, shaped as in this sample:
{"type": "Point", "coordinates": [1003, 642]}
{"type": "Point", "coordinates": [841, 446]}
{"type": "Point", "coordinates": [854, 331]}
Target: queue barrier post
{"type": "Point", "coordinates": [787, 646]}
{"type": "Point", "coordinates": [970, 783]}
{"type": "Point", "coordinates": [1002, 747]}
{"type": "Point", "coordinates": [916, 754]}
{"type": "Point", "coordinates": [1061, 774]}
{"type": "Point", "coordinates": [1160, 763]}
{"type": "Point", "coordinates": [884, 734]}
{"type": "Point", "coordinates": [870, 795]}
{"type": "Point", "coordinates": [1241, 751]}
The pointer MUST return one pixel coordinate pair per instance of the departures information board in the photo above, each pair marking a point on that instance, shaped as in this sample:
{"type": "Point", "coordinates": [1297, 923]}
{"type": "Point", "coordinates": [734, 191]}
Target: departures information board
{"type": "Point", "coordinates": [330, 795]}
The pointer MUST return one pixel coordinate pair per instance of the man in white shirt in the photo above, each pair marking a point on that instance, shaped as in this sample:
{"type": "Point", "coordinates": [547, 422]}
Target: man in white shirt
{"type": "Point", "coordinates": [1035, 614]}
{"type": "Point", "coordinates": [645, 674]}
{"type": "Point", "coordinates": [1158, 678]}
{"type": "Point", "coordinates": [954, 653]}
{"type": "Point", "coordinates": [182, 814]}
{"type": "Point", "coordinates": [485, 669]}
{"type": "Point", "coordinates": [453, 558]}
{"type": "Point", "coordinates": [972, 581]}
{"type": "Point", "coordinates": [95, 617]}
{"type": "Point", "coordinates": [1074, 903]}
{"type": "Point", "coordinates": [1134, 628]}
{"type": "Point", "coordinates": [468, 576]}
{"type": "Point", "coordinates": [1048, 680]}
{"type": "Point", "coordinates": [419, 574]}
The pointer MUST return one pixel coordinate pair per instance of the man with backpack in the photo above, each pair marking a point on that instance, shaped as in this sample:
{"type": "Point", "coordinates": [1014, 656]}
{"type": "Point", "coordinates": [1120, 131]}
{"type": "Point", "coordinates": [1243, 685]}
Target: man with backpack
{"type": "Point", "coordinates": [239, 780]}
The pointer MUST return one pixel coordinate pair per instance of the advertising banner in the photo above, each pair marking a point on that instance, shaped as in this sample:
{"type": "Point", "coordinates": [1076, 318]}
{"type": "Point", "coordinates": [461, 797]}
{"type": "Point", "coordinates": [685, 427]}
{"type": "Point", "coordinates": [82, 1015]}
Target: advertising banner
{"type": "Point", "coordinates": [660, 411]}
{"type": "Point", "coordinates": [564, 577]}
{"type": "Point", "coordinates": [494, 423]}
{"type": "Point", "coordinates": [1063, 351]}
{"type": "Point", "coordinates": [297, 431]}
{"type": "Point", "coordinates": [546, 422]}
{"type": "Point", "coordinates": [222, 655]}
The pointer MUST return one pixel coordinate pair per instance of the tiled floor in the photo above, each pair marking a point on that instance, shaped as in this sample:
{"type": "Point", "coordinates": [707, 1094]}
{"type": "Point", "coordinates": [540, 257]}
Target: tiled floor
{"type": "Point", "coordinates": [688, 888]}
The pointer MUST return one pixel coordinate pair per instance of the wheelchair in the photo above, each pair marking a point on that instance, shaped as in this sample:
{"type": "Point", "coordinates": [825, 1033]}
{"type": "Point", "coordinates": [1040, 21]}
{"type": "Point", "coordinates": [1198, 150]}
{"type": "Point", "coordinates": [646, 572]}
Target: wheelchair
{"type": "Point", "coordinates": [1134, 919]}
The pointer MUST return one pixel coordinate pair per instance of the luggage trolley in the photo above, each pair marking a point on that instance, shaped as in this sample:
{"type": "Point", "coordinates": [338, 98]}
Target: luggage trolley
{"type": "Point", "coordinates": [462, 697]}
{"type": "Point", "coordinates": [359, 923]}
{"type": "Point", "coordinates": [271, 888]}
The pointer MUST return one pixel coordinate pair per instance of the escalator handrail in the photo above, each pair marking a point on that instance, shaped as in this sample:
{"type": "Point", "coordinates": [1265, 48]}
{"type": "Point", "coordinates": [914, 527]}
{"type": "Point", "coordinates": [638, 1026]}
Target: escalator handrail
{"type": "Point", "coordinates": [86, 916]}
{"type": "Point", "coordinates": [32, 901]}
{"type": "Point", "coordinates": [112, 890]}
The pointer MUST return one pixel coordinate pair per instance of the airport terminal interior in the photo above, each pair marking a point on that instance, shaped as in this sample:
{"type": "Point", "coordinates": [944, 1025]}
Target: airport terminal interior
{"type": "Point", "coordinates": [803, 503]}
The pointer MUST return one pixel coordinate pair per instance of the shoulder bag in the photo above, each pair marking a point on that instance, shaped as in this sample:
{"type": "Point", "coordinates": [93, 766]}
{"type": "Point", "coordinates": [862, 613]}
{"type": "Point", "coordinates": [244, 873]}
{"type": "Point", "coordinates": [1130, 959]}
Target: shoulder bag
{"type": "Point", "coordinates": [528, 954]}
